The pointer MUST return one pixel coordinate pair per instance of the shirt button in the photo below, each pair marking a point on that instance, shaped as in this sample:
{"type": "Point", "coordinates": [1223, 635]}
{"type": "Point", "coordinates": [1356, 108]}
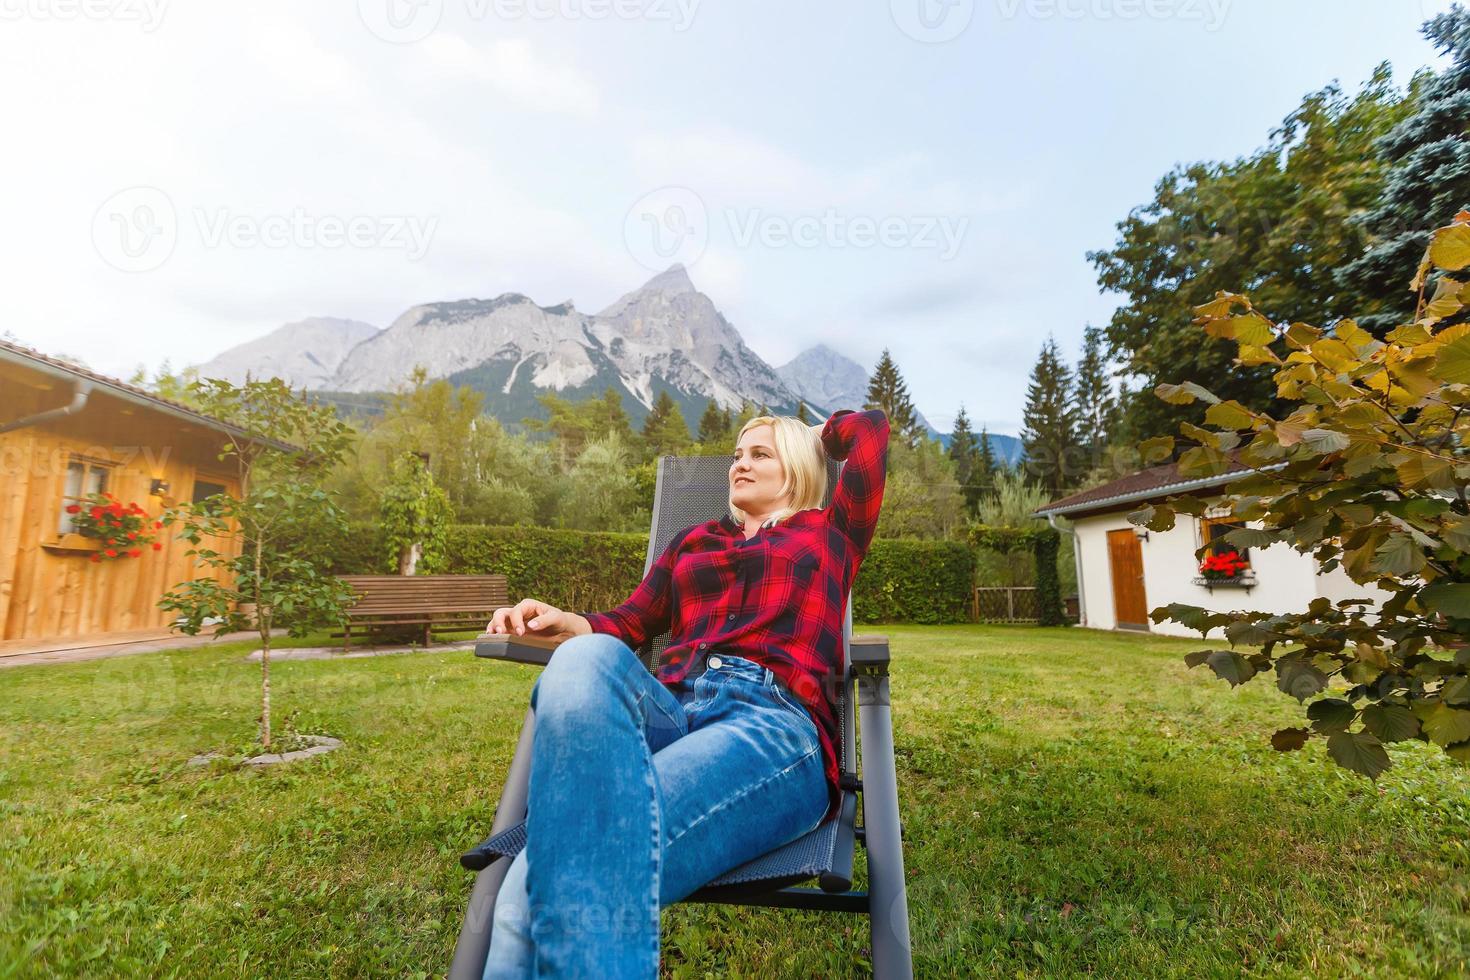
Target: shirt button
{"type": "Point", "coordinates": [704, 646]}
{"type": "Point", "coordinates": [730, 616]}
{"type": "Point", "coordinates": [715, 662]}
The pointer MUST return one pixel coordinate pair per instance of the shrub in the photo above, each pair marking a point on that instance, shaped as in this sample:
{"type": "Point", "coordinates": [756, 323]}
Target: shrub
{"type": "Point", "coordinates": [900, 581]}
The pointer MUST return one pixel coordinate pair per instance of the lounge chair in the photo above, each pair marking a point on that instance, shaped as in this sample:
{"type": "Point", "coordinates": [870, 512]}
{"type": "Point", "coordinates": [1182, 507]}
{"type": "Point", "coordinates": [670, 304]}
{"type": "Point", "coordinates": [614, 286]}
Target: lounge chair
{"type": "Point", "coordinates": [691, 490]}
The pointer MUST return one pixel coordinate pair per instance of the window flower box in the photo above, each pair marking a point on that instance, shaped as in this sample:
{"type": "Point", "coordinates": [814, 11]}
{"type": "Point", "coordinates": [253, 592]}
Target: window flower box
{"type": "Point", "coordinates": [73, 544]}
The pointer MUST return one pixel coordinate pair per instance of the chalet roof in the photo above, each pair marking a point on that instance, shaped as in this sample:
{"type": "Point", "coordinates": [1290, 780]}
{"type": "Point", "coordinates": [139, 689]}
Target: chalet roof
{"type": "Point", "coordinates": [28, 357]}
{"type": "Point", "coordinates": [1136, 488]}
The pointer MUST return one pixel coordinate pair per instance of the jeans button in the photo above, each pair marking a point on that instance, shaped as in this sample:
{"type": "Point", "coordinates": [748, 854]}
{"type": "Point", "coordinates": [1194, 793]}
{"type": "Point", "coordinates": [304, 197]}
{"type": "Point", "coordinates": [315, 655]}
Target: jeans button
{"type": "Point", "coordinates": [715, 662]}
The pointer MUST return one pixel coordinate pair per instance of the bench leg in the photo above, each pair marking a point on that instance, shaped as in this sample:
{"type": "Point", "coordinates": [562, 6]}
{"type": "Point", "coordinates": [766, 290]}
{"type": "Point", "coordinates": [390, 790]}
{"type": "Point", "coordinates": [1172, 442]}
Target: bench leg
{"type": "Point", "coordinates": [347, 638]}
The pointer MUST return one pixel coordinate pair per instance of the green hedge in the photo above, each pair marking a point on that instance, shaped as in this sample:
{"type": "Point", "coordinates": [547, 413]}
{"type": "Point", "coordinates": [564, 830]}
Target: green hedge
{"type": "Point", "coordinates": [900, 581]}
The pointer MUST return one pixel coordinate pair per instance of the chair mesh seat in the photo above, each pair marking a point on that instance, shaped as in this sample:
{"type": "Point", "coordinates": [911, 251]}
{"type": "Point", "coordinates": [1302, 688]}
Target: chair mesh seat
{"type": "Point", "coordinates": [809, 856]}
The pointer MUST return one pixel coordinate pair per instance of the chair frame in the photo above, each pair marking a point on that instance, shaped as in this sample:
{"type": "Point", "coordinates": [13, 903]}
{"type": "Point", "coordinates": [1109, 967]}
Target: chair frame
{"type": "Point", "coordinates": [866, 680]}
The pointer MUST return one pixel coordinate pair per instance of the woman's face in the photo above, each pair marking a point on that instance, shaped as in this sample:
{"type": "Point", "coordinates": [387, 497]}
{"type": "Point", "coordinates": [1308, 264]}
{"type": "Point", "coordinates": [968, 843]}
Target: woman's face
{"type": "Point", "coordinates": [756, 474]}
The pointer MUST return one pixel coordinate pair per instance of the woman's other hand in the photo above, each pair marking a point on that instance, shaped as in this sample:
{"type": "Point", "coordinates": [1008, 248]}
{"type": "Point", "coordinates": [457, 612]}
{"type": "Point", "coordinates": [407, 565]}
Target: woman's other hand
{"type": "Point", "coordinates": [538, 619]}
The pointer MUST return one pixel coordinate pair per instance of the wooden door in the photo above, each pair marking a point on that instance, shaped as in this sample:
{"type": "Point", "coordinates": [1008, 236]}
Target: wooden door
{"type": "Point", "coordinates": [1125, 558]}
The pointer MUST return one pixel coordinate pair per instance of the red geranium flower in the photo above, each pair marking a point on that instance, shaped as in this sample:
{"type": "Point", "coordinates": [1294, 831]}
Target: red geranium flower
{"type": "Point", "coordinates": [158, 524]}
{"type": "Point", "coordinates": [96, 513]}
{"type": "Point", "coordinates": [111, 553]}
{"type": "Point", "coordinates": [134, 553]}
{"type": "Point", "coordinates": [74, 508]}
{"type": "Point", "coordinates": [96, 557]}
{"type": "Point", "coordinates": [157, 546]}
{"type": "Point", "coordinates": [132, 535]}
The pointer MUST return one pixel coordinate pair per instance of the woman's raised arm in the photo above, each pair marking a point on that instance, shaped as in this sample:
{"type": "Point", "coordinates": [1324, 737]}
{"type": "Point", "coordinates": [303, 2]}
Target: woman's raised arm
{"type": "Point", "coordinates": [860, 439]}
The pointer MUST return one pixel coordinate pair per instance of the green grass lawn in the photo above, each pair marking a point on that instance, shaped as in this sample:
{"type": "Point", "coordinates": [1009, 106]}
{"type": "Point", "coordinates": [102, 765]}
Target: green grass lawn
{"type": "Point", "coordinates": [1075, 802]}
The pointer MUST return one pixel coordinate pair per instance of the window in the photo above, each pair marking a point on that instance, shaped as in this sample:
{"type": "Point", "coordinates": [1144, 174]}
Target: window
{"type": "Point", "coordinates": [84, 477]}
{"type": "Point", "coordinates": [203, 490]}
{"type": "Point", "coordinates": [1213, 530]}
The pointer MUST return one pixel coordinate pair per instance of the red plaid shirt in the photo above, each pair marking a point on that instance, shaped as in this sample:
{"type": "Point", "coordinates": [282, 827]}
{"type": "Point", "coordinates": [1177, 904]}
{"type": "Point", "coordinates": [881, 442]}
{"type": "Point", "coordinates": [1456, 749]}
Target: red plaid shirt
{"type": "Point", "coordinates": [776, 599]}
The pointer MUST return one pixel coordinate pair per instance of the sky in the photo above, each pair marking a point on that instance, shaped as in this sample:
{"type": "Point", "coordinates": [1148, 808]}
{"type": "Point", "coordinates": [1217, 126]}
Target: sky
{"type": "Point", "coordinates": [925, 176]}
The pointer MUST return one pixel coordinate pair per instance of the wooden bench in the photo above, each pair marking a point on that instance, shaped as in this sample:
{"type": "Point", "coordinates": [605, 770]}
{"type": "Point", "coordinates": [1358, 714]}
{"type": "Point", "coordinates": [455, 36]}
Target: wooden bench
{"type": "Point", "coordinates": [437, 603]}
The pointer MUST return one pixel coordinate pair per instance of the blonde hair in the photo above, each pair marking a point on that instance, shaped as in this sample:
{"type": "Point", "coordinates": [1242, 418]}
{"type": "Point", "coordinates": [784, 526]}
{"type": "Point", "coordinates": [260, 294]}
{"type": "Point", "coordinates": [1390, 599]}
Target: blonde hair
{"type": "Point", "coordinates": [799, 449]}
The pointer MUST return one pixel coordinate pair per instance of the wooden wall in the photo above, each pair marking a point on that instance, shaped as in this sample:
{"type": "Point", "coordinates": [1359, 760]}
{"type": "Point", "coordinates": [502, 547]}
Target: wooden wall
{"type": "Point", "coordinates": [47, 594]}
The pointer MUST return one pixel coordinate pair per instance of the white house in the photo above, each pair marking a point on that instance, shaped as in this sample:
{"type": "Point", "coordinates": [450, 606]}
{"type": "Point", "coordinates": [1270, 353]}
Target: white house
{"type": "Point", "coordinates": [1123, 571]}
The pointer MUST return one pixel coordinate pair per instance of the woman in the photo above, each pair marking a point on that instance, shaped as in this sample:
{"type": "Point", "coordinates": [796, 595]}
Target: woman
{"type": "Point", "coordinates": [644, 788]}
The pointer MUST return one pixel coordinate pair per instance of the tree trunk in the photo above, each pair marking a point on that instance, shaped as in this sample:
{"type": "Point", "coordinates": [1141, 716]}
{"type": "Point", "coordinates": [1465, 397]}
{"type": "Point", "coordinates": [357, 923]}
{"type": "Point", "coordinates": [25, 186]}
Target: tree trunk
{"type": "Point", "coordinates": [263, 624]}
{"type": "Point", "coordinates": [408, 558]}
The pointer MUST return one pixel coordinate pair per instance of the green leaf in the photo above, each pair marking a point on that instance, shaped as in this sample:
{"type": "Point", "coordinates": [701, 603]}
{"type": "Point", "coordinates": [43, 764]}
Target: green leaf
{"type": "Point", "coordinates": [1300, 680]}
{"type": "Point", "coordinates": [1398, 555]}
{"type": "Point", "coordinates": [1330, 714]}
{"type": "Point", "coordinates": [1456, 690]}
{"type": "Point", "coordinates": [1290, 739]}
{"type": "Point", "coordinates": [1358, 751]}
{"type": "Point", "coordinates": [1230, 667]}
{"type": "Point", "coordinates": [1325, 440]}
{"type": "Point", "coordinates": [1196, 658]}
{"type": "Point", "coordinates": [1446, 726]}
{"type": "Point", "coordinates": [1185, 393]}
{"type": "Point", "coordinates": [1390, 722]}
{"type": "Point", "coordinates": [1156, 450]}
{"type": "Point", "coordinates": [1456, 533]}
{"type": "Point", "coordinates": [1229, 415]}
{"type": "Point", "coordinates": [1451, 599]}
{"type": "Point", "coordinates": [1452, 362]}
{"type": "Point", "coordinates": [1450, 248]}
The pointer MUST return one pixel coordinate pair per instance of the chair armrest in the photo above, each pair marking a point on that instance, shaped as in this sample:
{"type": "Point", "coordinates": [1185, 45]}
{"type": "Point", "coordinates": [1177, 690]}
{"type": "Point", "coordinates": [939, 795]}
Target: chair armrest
{"type": "Point", "coordinates": [869, 654]}
{"type": "Point", "coordinates": [535, 650]}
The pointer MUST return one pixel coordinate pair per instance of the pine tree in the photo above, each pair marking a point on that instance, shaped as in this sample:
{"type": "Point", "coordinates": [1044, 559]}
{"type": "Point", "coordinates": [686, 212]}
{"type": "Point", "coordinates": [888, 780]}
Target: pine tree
{"type": "Point", "coordinates": [1096, 408]}
{"type": "Point", "coordinates": [1050, 421]}
{"type": "Point", "coordinates": [964, 450]}
{"type": "Point", "coordinates": [1428, 183]}
{"type": "Point", "coordinates": [801, 413]}
{"type": "Point", "coordinates": [664, 430]}
{"type": "Point", "coordinates": [987, 467]}
{"type": "Point", "coordinates": [714, 425]}
{"type": "Point", "coordinates": [887, 390]}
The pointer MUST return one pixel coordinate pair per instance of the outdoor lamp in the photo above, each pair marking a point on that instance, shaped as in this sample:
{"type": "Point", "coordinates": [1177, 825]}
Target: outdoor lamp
{"type": "Point", "coordinates": [158, 488]}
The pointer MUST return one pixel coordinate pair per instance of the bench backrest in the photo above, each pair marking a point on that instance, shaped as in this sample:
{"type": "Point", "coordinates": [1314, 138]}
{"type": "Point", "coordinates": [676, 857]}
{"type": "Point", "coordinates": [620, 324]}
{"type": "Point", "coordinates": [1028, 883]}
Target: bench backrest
{"type": "Point", "coordinates": [412, 592]}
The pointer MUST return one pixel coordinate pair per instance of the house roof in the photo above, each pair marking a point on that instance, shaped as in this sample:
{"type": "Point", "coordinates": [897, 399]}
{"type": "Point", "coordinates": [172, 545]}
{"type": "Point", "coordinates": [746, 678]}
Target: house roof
{"type": "Point", "coordinates": [1156, 481]}
{"type": "Point", "coordinates": [28, 357]}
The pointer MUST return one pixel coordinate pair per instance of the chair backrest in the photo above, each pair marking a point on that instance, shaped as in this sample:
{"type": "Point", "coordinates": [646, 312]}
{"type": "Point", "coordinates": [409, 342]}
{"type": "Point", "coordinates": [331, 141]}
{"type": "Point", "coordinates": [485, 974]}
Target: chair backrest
{"type": "Point", "coordinates": [691, 490]}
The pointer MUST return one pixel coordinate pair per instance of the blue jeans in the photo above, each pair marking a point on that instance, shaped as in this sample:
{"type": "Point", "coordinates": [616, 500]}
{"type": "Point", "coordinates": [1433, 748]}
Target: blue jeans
{"type": "Point", "coordinates": [639, 795]}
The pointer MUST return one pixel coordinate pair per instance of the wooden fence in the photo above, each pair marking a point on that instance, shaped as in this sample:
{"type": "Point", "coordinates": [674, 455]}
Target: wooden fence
{"type": "Point", "coordinates": [1005, 604]}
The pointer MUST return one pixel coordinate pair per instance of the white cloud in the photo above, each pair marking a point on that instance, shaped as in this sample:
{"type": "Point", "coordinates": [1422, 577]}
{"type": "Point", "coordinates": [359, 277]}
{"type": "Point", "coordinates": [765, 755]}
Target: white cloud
{"type": "Point", "coordinates": [516, 71]}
